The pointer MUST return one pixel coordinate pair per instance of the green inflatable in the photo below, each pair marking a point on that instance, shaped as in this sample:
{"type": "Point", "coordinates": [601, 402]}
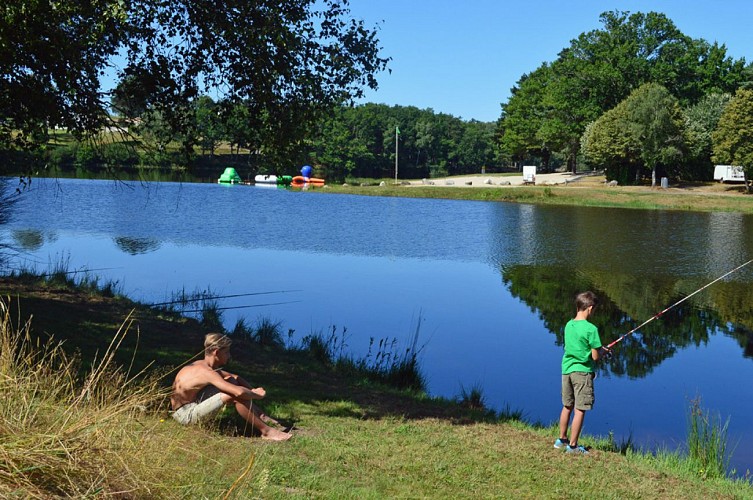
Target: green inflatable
{"type": "Point", "coordinates": [230, 176]}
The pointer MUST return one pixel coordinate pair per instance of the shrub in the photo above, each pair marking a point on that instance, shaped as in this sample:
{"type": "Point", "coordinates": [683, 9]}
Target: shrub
{"type": "Point", "coordinates": [118, 154]}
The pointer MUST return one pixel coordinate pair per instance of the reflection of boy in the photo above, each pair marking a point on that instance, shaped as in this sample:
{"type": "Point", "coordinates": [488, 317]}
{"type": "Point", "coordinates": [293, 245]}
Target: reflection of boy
{"type": "Point", "coordinates": [582, 349]}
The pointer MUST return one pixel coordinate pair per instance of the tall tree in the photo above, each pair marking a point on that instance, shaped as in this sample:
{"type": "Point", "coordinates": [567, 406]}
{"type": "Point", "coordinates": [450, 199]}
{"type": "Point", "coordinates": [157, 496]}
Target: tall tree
{"type": "Point", "coordinates": [52, 54]}
{"type": "Point", "coordinates": [209, 126]}
{"type": "Point", "coordinates": [608, 144]}
{"type": "Point", "coordinates": [733, 137]}
{"type": "Point", "coordinates": [646, 130]}
{"type": "Point", "coordinates": [658, 125]}
{"type": "Point", "coordinates": [524, 115]}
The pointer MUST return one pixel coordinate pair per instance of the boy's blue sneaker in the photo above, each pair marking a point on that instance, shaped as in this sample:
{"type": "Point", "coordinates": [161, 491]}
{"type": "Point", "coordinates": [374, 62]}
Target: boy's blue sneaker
{"type": "Point", "coordinates": [560, 443]}
{"type": "Point", "coordinates": [578, 450]}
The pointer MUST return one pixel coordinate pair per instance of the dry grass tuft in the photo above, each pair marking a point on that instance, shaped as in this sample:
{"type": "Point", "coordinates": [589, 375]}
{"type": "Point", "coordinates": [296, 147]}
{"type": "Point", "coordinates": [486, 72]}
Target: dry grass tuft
{"type": "Point", "coordinates": [59, 432]}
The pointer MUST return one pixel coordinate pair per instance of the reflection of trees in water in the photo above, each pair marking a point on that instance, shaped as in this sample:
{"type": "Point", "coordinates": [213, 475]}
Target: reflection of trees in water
{"type": "Point", "coordinates": [28, 239]}
{"type": "Point", "coordinates": [626, 301]}
{"type": "Point", "coordinates": [136, 246]}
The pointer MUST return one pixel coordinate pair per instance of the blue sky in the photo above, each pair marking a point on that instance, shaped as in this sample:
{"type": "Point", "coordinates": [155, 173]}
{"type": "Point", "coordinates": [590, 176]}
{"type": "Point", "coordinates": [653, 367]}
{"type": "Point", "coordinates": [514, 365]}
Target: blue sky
{"type": "Point", "coordinates": [462, 57]}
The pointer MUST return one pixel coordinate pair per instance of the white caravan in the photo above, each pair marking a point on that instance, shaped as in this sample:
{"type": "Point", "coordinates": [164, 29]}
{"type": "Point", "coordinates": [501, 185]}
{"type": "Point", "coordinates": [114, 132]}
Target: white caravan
{"type": "Point", "coordinates": [729, 173]}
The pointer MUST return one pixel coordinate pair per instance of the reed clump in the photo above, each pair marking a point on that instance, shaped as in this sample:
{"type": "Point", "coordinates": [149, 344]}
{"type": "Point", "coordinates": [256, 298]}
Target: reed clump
{"type": "Point", "coordinates": [708, 452]}
{"type": "Point", "coordinates": [59, 430]}
{"type": "Point", "coordinates": [385, 362]}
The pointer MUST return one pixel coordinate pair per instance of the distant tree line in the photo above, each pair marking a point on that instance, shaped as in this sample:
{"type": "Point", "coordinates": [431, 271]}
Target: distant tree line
{"type": "Point", "coordinates": [636, 98]}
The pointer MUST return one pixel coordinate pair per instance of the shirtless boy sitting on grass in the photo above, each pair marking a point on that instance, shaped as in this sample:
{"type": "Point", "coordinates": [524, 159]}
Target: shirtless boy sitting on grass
{"type": "Point", "coordinates": [202, 388]}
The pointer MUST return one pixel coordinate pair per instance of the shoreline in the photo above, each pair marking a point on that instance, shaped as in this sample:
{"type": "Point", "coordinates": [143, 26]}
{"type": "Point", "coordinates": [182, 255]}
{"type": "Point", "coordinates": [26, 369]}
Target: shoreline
{"type": "Point", "coordinates": [564, 189]}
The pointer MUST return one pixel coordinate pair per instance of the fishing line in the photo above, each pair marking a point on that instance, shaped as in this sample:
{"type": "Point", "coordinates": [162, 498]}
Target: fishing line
{"type": "Point", "coordinates": [677, 303]}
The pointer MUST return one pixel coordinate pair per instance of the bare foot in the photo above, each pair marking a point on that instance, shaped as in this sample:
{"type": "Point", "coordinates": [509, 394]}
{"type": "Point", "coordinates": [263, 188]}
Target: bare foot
{"type": "Point", "coordinates": [269, 420]}
{"type": "Point", "coordinates": [275, 435]}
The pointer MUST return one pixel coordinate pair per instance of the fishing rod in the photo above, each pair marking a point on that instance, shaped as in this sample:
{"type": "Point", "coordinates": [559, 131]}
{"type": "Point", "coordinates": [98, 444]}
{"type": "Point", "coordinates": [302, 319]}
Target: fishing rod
{"type": "Point", "coordinates": [84, 270]}
{"type": "Point", "coordinates": [676, 304]}
{"type": "Point", "coordinates": [213, 297]}
{"type": "Point", "coordinates": [241, 307]}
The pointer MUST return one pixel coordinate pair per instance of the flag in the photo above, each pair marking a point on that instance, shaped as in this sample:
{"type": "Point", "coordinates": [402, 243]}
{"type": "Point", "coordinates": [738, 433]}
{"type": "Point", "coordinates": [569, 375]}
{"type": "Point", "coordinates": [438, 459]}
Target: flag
{"type": "Point", "coordinates": [397, 130]}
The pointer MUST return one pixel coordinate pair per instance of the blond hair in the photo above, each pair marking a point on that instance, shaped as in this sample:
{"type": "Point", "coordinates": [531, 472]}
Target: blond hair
{"type": "Point", "coordinates": [216, 341]}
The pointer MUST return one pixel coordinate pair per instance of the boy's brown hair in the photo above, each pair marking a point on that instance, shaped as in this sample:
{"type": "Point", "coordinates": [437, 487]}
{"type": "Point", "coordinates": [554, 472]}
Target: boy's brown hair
{"type": "Point", "coordinates": [584, 300]}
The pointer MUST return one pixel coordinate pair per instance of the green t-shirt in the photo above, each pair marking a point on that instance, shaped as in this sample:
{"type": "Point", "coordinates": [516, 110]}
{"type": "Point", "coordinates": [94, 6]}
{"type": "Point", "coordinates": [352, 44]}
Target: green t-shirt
{"type": "Point", "coordinates": [580, 337]}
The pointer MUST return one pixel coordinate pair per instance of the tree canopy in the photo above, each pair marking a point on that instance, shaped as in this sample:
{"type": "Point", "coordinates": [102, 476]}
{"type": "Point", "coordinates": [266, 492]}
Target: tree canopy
{"type": "Point", "coordinates": [284, 60]}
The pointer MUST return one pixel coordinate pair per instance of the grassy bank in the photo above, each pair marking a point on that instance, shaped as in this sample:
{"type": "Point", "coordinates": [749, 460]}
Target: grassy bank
{"type": "Point", "coordinates": [591, 192]}
{"type": "Point", "coordinates": [91, 429]}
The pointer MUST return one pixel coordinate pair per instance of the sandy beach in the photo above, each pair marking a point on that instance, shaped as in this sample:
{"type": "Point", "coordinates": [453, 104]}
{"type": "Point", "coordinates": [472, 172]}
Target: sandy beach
{"type": "Point", "coordinates": [491, 180]}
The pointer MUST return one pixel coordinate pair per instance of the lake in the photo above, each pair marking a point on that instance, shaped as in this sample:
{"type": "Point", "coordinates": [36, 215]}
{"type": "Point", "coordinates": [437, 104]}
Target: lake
{"type": "Point", "coordinates": [492, 283]}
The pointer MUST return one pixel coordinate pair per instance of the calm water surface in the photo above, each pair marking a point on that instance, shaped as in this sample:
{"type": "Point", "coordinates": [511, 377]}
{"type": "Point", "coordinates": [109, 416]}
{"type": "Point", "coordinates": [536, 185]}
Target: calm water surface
{"type": "Point", "coordinates": [492, 282]}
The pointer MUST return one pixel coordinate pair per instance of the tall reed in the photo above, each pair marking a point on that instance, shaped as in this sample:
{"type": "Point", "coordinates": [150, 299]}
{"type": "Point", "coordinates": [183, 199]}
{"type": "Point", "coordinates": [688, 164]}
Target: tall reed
{"type": "Point", "coordinates": [383, 362]}
{"type": "Point", "coordinates": [707, 442]}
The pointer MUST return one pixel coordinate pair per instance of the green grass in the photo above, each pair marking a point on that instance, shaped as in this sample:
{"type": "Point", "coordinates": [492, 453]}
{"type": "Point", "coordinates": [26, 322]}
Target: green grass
{"type": "Point", "coordinates": [98, 431]}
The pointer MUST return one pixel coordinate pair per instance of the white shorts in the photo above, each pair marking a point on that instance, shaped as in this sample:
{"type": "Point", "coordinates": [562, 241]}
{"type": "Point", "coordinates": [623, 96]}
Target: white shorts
{"type": "Point", "coordinates": [208, 403]}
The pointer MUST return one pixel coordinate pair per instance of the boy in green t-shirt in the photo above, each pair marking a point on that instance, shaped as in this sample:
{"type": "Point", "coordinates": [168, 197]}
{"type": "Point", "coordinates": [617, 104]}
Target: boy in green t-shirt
{"type": "Point", "coordinates": [582, 348]}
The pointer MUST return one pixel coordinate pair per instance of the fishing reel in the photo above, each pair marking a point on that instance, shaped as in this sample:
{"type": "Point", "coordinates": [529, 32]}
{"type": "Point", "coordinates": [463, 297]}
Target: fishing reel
{"type": "Point", "coordinates": [607, 353]}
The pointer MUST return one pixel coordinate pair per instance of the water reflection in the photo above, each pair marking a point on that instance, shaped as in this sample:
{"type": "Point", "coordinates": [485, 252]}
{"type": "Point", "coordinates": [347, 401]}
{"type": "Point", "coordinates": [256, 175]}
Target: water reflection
{"type": "Point", "coordinates": [137, 246]}
{"type": "Point", "coordinates": [628, 300]}
{"type": "Point", "coordinates": [32, 239]}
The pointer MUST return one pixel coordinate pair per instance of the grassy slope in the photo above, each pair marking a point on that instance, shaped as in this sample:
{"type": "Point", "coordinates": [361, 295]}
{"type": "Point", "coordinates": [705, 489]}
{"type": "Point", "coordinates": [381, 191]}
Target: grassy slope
{"type": "Point", "coordinates": [354, 440]}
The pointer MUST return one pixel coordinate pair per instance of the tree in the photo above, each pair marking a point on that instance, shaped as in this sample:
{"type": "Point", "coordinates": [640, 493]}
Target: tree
{"type": "Point", "coordinates": [523, 115]}
{"type": "Point", "coordinates": [126, 99]}
{"type": "Point", "coordinates": [701, 120]}
{"type": "Point", "coordinates": [52, 55]}
{"type": "Point", "coordinates": [548, 111]}
{"type": "Point", "coordinates": [733, 137]}
{"type": "Point", "coordinates": [658, 125]}
{"type": "Point", "coordinates": [646, 130]}
{"type": "Point", "coordinates": [287, 61]}
{"type": "Point", "coordinates": [475, 149]}
{"type": "Point", "coordinates": [209, 125]}
{"type": "Point", "coordinates": [607, 143]}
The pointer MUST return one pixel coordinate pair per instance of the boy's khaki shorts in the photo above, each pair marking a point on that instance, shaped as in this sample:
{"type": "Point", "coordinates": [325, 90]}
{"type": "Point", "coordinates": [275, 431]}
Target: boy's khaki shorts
{"type": "Point", "coordinates": [208, 403]}
{"type": "Point", "coordinates": [578, 390]}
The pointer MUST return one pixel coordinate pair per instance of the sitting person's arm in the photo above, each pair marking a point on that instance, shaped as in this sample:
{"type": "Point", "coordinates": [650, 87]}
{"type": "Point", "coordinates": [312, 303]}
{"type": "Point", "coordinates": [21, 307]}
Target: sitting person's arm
{"type": "Point", "coordinates": [230, 386]}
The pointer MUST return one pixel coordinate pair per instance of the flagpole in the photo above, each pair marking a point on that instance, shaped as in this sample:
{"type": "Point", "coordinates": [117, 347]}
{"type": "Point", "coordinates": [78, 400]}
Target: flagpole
{"type": "Point", "coordinates": [397, 133]}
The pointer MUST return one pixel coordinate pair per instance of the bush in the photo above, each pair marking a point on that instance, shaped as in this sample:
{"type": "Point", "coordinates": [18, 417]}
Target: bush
{"type": "Point", "coordinates": [62, 156]}
{"type": "Point", "coordinates": [87, 156]}
{"type": "Point", "coordinates": [118, 154]}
